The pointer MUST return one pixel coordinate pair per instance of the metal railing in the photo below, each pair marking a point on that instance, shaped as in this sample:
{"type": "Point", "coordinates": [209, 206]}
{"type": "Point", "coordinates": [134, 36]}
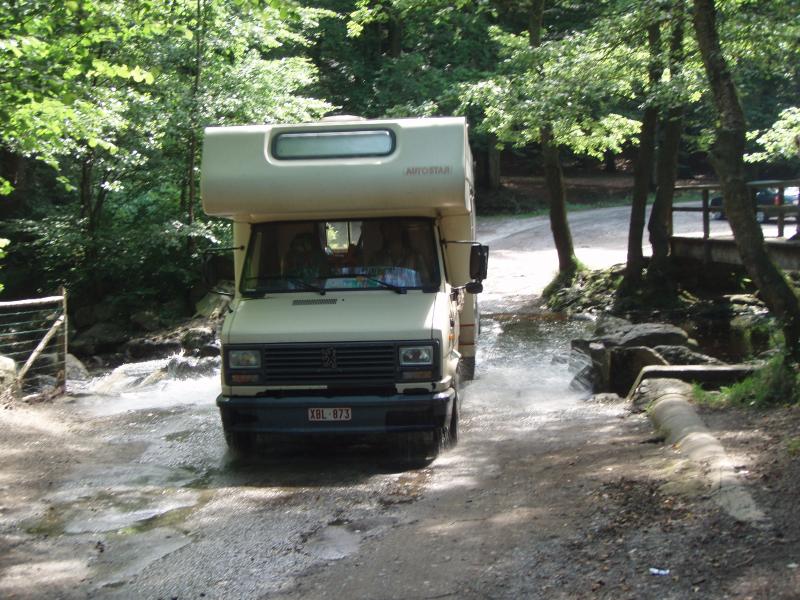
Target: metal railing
{"type": "Point", "coordinates": [34, 334]}
{"type": "Point", "coordinates": [779, 210]}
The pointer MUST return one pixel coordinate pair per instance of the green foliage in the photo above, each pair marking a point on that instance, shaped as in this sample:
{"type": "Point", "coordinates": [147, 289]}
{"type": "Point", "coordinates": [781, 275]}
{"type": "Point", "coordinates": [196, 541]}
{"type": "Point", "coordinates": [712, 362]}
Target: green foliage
{"type": "Point", "coordinates": [141, 253]}
{"type": "Point", "coordinates": [577, 83]}
{"type": "Point", "coordinates": [705, 397]}
{"type": "Point", "coordinates": [782, 140]}
{"type": "Point", "coordinates": [793, 446]}
{"type": "Point", "coordinates": [400, 58]}
{"type": "Point", "coordinates": [114, 97]}
{"type": "Point", "coordinates": [776, 383]}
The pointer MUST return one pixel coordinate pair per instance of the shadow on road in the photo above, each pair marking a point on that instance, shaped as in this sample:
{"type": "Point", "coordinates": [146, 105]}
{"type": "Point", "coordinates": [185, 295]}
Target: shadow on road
{"type": "Point", "coordinates": [316, 462]}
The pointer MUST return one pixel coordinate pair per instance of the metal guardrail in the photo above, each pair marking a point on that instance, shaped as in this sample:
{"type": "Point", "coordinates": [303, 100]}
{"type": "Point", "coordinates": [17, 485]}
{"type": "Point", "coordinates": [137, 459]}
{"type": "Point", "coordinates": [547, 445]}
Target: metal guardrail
{"type": "Point", "coordinates": [34, 334]}
{"type": "Point", "coordinates": [780, 209]}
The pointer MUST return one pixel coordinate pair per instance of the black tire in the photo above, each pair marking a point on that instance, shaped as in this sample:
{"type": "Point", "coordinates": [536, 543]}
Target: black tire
{"type": "Point", "coordinates": [718, 216]}
{"type": "Point", "coordinates": [466, 368]}
{"type": "Point", "coordinates": [452, 436]}
{"type": "Point", "coordinates": [240, 442]}
{"type": "Point", "coordinates": [418, 449]}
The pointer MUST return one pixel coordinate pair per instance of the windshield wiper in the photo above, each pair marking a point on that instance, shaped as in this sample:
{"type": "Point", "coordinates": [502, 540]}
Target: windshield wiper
{"type": "Point", "coordinates": [295, 280]}
{"type": "Point", "coordinates": [397, 288]}
{"type": "Point", "coordinates": [390, 286]}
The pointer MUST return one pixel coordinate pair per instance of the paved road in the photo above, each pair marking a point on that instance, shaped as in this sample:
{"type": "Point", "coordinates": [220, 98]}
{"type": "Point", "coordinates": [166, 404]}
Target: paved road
{"type": "Point", "coordinates": [523, 259]}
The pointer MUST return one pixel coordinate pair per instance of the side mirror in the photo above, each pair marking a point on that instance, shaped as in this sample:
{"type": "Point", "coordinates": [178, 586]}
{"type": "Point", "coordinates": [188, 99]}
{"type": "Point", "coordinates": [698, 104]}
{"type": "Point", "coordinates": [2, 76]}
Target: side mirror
{"type": "Point", "coordinates": [478, 262]}
{"type": "Point", "coordinates": [474, 287]}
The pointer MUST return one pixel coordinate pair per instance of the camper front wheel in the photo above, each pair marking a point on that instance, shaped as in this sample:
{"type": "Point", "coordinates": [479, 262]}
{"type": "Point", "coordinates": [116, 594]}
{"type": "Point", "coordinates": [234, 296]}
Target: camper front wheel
{"type": "Point", "coordinates": [466, 367]}
{"type": "Point", "coordinates": [240, 441]}
{"type": "Point", "coordinates": [452, 433]}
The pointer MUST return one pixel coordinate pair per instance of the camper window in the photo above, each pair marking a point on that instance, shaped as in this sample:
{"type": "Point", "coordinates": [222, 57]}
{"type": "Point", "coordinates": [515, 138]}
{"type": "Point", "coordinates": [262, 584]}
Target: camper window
{"type": "Point", "coordinates": [333, 144]}
{"type": "Point", "coordinates": [377, 254]}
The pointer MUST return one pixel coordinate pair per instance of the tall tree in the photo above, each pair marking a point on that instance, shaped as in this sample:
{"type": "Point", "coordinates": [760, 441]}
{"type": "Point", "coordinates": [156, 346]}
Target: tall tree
{"type": "Point", "coordinates": [660, 223]}
{"type": "Point", "coordinates": [727, 157]}
{"type": "Point", "coordinates": [405, 58]}
{"type": "Point", "coordinates": [644, 166]}
{"type": "Point", "coordinates": [560, 91]}
{"type": "Point", "coordinates": [553, 173]}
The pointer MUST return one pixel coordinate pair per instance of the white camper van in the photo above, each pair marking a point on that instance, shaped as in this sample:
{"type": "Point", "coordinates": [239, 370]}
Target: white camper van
{"type": "Point", "coordinates": [356, 274]}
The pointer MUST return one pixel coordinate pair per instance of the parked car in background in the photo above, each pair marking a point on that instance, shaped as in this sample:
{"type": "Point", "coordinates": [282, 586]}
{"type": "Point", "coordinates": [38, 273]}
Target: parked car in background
{"type": "Point", "coordinates": [764, 197]}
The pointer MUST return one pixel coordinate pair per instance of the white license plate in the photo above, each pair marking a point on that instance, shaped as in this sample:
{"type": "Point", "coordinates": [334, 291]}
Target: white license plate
{"type": "Point", "coordinates": [329, 414]}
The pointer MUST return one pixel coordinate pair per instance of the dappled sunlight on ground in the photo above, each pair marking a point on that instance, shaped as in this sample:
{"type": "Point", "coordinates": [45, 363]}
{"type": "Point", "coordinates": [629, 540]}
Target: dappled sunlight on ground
{"type": "Point", "coordinates": [46, 575]}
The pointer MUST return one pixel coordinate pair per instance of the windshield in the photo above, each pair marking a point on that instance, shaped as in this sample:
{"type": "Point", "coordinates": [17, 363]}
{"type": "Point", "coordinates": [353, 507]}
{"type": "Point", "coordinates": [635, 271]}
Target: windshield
{"type": "Point", "coordinates": [396, 254]}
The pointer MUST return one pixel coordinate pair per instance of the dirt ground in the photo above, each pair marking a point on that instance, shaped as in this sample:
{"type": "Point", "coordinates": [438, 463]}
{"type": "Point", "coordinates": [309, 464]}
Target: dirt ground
{"type": "Point", "coordinates": [593, 522]}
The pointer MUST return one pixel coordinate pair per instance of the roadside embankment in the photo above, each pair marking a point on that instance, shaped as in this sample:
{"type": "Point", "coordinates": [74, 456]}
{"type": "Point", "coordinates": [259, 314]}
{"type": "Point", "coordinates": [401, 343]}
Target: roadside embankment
{"type": "Point", "coordinates": [667, 402]}
{"type": "Point", "coordinates": [654, 365]}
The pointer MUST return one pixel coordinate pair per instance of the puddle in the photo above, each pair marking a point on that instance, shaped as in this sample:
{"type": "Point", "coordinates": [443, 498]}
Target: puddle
{"type": "Point", "coordinates": [118, 497]}
{"type": "Point", "coordinates": [333, 542]}
{"type": "Point", "coordinates": [127, 512]}
{"type": "Point", "coordinates": [119, 478]}
{"type": "Point", "coordinates": [122, 514]}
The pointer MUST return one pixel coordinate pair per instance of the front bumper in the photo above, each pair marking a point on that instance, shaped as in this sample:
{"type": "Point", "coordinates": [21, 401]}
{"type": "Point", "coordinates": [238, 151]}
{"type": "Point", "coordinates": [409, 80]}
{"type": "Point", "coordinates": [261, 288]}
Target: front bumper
{"type": "Point", "coordinates": [370, 413]}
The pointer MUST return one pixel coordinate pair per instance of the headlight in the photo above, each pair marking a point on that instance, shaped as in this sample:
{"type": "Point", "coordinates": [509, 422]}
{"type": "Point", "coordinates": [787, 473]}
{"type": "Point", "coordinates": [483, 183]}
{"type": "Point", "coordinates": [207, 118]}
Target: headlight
{"type": "Point", "coordinates": [244, 359]}
{"type": "Point", "coordinates": [416, 356]}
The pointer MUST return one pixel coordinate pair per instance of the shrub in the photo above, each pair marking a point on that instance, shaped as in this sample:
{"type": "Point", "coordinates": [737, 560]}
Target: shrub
{"type": "Point", "coordinates": [778, 382]}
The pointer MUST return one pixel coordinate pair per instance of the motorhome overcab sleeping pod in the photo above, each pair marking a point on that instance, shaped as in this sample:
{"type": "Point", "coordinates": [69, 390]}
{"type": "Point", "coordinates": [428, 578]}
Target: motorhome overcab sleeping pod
{"type": "Point", "coordinates": [356, 275]}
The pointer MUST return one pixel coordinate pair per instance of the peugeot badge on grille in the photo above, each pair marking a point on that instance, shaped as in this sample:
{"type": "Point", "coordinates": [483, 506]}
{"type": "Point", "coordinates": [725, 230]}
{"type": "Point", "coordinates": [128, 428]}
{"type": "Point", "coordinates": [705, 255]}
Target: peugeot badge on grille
{"type": "Point", "coordinates": [329, 358]}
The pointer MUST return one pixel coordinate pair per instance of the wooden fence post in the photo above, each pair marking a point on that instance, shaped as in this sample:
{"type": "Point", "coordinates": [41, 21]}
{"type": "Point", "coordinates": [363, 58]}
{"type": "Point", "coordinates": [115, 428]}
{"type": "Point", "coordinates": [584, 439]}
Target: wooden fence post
{"type": "Point", "coordinates": [706, 228]}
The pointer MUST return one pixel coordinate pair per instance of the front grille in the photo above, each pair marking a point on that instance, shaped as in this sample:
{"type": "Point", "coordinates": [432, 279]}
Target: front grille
{"type": "Point", "coordinates": [314, 301]}
{"type": "Point", "coordinates": [302, 364]}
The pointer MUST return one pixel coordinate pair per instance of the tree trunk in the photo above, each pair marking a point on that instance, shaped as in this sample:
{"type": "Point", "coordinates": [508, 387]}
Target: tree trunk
{"type": "Point", "coordinates": [609, 161]}
{"type": "Point", "coordinates": [13, 168]}
{"type": "Point", "coordinates": [727, 159]}
{"type": "Point", "coordinates": [184, 190]}
{"type": "Point", "coordinates": [553, 174]}
{"type": "Point", "coordinates": [85, 191]}
{"type": "Point", "coordinates": [191, 196]}
{"type": "Point", "coordinates": [660, 224]}
{"type": "Point", "coordinates": [395, 37]}
{"type": "Point", "coordinates": [91, 214]}
{"type": "Point", "coordinates": [643, 170]}
{"type": "Point", "coordinates": [535, 20]}
{"type": "Point", "coordinates": [554, 177]}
